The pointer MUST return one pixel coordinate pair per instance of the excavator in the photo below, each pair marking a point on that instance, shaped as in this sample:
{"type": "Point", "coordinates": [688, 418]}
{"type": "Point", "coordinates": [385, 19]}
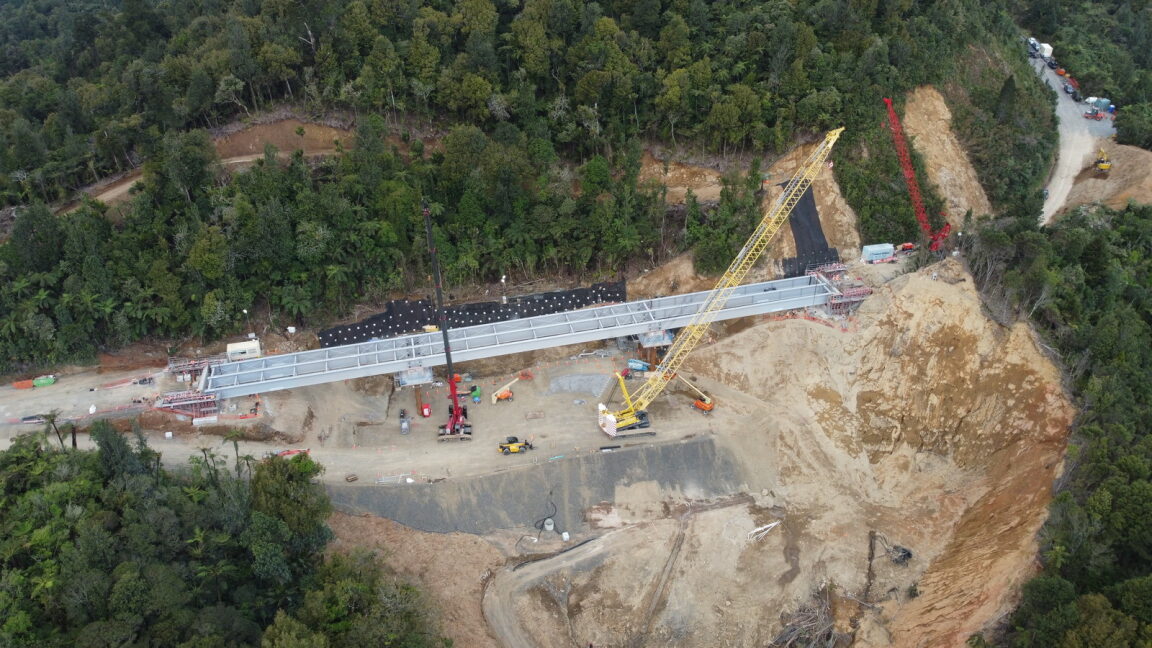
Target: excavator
{"type": "Point", "coordinates": [1103, 163]}
{"type": "Point", "coordinates": [634, 414]}
{"type": "Point", "coordinates": [704, 403]}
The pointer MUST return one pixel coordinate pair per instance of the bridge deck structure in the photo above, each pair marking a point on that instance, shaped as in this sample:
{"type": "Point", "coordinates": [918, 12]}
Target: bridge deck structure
{"type": "Point", "coordinates": [423, 350]}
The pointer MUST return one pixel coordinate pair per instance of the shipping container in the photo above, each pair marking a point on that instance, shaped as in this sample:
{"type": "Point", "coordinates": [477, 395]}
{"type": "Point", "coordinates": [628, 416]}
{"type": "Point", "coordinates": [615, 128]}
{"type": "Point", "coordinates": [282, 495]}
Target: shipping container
{"type": "Point", "coordinates": [23, 384]}
{"type": "Point", "coordinates": [878, 253]}
{"type": "Point", "coordinates": [1045, 50]}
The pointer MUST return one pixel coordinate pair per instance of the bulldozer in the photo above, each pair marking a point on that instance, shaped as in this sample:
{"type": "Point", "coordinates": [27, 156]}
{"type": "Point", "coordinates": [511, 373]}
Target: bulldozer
{"type": "Point", "coordinates": [1103, 163]}
{"type": "Point", "coordinates": [513, 445]}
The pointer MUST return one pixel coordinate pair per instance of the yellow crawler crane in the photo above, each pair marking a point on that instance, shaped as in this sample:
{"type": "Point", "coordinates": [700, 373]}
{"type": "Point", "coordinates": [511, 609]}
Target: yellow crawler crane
{"type": "Point", "coordinates": [634, 414]}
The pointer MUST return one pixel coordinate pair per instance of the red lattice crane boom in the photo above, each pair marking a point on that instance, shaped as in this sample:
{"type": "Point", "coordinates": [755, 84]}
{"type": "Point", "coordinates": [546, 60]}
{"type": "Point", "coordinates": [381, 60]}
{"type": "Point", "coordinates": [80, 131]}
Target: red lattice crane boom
{"type": "Point", "coordinates": [934, 239]}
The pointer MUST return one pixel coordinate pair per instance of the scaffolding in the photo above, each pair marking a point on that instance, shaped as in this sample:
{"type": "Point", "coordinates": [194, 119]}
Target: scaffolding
{"type": "Point", "coordinates": [832, 271]}
{"type": "Point", "coordinates": [189, 403]}
{"type": "Point", "coordinates": [189, 370]}
{"type": "Point", "coordinates": [848, 300]}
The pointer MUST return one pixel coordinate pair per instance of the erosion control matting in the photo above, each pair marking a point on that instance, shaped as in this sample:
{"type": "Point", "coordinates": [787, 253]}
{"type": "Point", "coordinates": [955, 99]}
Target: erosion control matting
{"type": "Point", "coordinates": [811, 246]}
{"type": "Point", "coordinates": [410, 316]}
{"type": "Point", "coordinates": [560, 488]}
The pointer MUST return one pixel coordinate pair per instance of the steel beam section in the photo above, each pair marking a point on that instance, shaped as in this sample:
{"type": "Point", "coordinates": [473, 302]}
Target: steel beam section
{"type": "Point", "coordinates": [272, 373]}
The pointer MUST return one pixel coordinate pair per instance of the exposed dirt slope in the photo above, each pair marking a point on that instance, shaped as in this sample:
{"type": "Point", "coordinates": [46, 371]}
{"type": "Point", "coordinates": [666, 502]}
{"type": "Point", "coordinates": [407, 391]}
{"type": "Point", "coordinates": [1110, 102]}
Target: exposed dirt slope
{"type": "Point", "coordinates": [1129, 180]}
{"type": "Point", "coordinates": [679, 178]}
{"type": "Point", "coordinates": [928, 120]}
{"type": "Point", "coordinates": [837, 218]}
{"type": "Point", "coordinates": [673, 278]}
{"type": "Point", "coordinates": [239, 149]}
{"type": "Point", "coordinates": [931, 425]}
{"type": "Point", "coordinates": [283, 135]}
{"type": "Point", "coordinates": [451, 568]}
{"type": "Point", "coordinates": [910, 427]}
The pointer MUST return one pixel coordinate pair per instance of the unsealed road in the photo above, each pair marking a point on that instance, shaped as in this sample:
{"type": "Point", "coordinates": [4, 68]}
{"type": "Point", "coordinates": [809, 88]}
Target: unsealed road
{"type": "Point", "coordinates": [1079, 140]}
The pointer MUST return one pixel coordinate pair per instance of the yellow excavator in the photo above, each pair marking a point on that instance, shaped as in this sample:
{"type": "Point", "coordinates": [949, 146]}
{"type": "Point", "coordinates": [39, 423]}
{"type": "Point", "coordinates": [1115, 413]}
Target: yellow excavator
{"type": "Point", "coordinates": [1103, 163]}
{"type": "Point", "coordinates": [634, 414]}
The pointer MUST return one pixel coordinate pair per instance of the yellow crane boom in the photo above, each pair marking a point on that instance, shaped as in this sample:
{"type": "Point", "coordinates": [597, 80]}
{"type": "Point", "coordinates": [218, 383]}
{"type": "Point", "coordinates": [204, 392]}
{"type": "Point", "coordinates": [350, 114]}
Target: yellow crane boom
{"type": "Point", "coordinates": [636, 404]}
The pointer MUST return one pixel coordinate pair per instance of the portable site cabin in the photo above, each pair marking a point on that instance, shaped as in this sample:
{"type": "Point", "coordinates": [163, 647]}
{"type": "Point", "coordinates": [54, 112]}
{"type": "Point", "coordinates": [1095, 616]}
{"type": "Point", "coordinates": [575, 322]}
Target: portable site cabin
{"type": "Point", "coordinates": [878, 253]}
{"type": "Point", "coordinates": [243, 350]}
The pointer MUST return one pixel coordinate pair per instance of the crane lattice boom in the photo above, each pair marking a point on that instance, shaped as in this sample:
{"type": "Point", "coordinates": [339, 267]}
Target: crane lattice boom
{"type": "Point", "coordinates": [691, 335]}
{"type": "Point", "coordinates": [934, 239]}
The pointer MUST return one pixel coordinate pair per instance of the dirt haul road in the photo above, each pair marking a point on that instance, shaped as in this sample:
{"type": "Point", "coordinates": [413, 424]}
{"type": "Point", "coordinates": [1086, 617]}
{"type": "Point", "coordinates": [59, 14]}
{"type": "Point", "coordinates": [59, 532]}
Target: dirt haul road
{"type": "Point", "coordinates": [511, 586]}
{"type": "Point", "coordinates": [1080, 138]}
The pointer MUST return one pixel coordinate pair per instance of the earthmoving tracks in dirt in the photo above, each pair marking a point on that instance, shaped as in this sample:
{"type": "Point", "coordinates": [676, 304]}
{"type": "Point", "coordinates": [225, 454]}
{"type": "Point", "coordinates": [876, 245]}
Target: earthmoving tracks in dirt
{"type": "Point", "coordinates": [422, 350]}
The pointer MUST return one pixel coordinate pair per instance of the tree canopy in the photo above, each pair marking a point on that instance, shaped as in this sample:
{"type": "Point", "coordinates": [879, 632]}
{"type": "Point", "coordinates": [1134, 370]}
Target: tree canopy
{"type": "Point", "coordinates": [106, 548]}
{"type": "Point", "coordinates": [1107, 46]}
{"type": "Point", "coordinates": [91, 88]}
{"type": "Point", "coordinates": [1086, 282]}
{"type": "Point", "coordinates": [545, 104]}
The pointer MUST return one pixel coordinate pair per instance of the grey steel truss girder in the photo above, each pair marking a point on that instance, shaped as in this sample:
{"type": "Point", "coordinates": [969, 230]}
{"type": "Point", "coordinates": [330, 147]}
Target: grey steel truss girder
{"type": "Point", "coordinates": [272, 373]}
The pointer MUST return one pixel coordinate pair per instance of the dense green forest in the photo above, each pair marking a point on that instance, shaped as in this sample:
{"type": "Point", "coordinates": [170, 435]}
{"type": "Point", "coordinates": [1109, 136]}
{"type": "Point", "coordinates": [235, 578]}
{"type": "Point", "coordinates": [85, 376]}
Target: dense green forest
{"type": "Point", "coordinates": [1087, 283]}
{"type": "Point", "coordinates": [547, 107]}
{"type": "Point", "coordinates": [106, 548]}
{"type": "Point", "coordinates": [1107, 46]}
{"type": "Point", "coordinates": [91, 87]}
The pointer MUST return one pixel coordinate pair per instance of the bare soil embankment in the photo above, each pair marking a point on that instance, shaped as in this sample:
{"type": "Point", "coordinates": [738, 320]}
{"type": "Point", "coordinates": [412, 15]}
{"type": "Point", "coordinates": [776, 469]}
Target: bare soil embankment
{"type": "Point", "coordinates": [929, 121]}
{"type": "Point", "coordinates": [1130, 179]}
{"type": "Point", "coordinates": [930, 425]}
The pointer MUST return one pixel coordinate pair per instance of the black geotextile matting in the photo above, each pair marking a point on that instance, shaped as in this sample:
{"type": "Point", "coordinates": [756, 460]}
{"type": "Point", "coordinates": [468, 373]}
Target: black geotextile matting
{"type": "Point", "coordinates": [811, 246]}
{"type": "Point", "coordinates": [411, 316]}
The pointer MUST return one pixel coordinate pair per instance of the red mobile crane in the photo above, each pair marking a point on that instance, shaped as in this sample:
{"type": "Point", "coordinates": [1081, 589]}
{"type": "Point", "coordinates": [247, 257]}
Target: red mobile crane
{"type": "Point", "coordinates": [457, 426]}
{"type": "Point", "coordinates": [910, 177]}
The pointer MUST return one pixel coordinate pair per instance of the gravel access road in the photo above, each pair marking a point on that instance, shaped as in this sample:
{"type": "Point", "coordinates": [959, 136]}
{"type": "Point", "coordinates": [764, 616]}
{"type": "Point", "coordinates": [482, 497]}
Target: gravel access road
{"type": "Point", "coordinates": [1079, 140]}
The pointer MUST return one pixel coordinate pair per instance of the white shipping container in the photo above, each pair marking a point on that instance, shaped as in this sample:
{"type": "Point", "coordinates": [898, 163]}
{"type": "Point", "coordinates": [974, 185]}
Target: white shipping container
{"type": "Point", "coordinates": [1045, 50]}
{"type": "Point", "coordinates": [878, 252]}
